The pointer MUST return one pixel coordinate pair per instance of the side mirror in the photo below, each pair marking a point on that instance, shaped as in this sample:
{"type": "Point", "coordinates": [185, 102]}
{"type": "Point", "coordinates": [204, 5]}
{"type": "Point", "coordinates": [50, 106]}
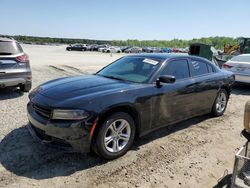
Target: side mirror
{"type": "Point", "coordinates": [165, 79]}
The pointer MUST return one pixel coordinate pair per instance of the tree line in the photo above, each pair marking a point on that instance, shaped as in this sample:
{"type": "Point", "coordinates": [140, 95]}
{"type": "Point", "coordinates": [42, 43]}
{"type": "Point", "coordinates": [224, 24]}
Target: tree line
{"type": "Point", "coordinates": [217, 42]}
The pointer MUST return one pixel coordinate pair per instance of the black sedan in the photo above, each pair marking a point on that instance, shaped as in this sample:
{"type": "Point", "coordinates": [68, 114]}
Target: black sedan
{"type": "Point", "coordinates": [130, 97]}
{"type": "Point", "coordinates": [77, 47]}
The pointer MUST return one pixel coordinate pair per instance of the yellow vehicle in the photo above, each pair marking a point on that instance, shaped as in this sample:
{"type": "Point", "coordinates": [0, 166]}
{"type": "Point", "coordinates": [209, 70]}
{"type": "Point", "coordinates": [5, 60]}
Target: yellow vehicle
{"type": "Point", "coordinates": [243, 47]}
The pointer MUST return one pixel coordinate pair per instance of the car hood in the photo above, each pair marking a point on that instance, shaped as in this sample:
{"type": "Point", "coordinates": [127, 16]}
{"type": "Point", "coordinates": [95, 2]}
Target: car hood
{"type": "Point", "coordinates": [81, 86]}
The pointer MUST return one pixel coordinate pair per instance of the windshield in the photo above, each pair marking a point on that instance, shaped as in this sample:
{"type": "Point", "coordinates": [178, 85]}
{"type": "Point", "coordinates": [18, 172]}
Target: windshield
{"type": "Point", "coordinates": [242, 58]}
{"type": "Point", "coordinates": [134, 69]}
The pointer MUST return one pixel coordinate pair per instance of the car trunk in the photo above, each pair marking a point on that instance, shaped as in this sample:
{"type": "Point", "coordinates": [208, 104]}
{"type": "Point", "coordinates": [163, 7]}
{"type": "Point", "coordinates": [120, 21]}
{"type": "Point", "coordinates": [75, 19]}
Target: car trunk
{"type": "Point", "coordinates": [240, 67]}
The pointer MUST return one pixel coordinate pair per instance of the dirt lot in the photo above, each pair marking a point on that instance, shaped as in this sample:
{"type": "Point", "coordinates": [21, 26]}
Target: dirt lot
{"type": "Point", "coordinates": [194, 153]}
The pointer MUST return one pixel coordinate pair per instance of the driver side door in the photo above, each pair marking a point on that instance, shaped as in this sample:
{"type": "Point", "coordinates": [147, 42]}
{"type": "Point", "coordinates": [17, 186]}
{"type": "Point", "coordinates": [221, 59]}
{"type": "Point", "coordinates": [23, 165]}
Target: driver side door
{"type": "Point", "coordinates": [173, 101]}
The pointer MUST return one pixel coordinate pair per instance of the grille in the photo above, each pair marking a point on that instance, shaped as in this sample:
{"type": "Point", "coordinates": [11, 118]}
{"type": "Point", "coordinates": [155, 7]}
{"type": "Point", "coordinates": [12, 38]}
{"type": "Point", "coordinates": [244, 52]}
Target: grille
{"type": "Point", "coordinates": [45, 112]}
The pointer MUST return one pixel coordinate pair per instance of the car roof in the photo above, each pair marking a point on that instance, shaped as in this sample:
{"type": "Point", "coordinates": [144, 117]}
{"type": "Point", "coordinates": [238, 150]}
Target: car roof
{"type": "Point", "coordinates": [165, 56]}
{"type": "Point", "coordinates": [4, 39]}
{"type": "Point", "coordinates": [244, 55]}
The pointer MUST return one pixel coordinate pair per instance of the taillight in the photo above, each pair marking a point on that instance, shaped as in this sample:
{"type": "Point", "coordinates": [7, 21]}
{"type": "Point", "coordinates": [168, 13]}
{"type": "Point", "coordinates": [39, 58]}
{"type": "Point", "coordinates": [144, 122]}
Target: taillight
{"type": "Point", "coordinates": [22, 58]}
{"type": "Point", "coordinates": [226, 66]}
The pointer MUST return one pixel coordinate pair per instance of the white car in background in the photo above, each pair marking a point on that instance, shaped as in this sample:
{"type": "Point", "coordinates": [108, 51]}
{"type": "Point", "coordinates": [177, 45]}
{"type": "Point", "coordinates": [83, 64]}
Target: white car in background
{"type": "Point", "coordinates": [112, 49]}
{"type": "Point", "coordinates": [240, 66]}
{"type": "Point", "coordinates": [102, 48]}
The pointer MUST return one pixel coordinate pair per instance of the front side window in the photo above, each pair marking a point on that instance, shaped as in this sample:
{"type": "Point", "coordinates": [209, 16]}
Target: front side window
{"type": "Point", "coordinates": [134, 69]}
{"type": "Point", "coordinates": [177, 68]}
{"type": "Point", "coordinates": [199, 68]}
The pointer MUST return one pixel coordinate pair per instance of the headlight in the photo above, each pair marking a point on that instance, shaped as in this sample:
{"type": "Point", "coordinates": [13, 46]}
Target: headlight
{"type": "Point", "coordinates": [69, 114]}
{"type": "Point", "coordinates": [247, 117]}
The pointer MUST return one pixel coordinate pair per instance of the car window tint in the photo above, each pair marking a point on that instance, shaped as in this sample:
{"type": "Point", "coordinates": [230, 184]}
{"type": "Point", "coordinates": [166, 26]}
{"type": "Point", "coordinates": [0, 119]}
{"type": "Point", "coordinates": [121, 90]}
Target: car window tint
{"type": "Point", "coordinates": [199, 68]}
{"type": "Point", "coordinates": [210, 68]}
{"type": "Point", "coordinates": [177, 68]}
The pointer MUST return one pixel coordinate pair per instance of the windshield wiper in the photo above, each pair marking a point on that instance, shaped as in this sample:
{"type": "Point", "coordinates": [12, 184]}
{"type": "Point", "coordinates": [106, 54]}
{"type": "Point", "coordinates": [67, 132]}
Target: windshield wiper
{"type": "Point", "coordinates": [112, 77]}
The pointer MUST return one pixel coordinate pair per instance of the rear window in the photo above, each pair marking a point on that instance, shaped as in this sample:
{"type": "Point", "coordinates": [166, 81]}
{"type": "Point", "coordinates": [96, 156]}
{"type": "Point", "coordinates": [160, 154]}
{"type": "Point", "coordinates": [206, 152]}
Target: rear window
{"type": "Point", "coordinates": [10, 48]}
{"type": "Point", "coordinates": [199, 68]}
{"type": "Point", "coordinates": [244, 58]}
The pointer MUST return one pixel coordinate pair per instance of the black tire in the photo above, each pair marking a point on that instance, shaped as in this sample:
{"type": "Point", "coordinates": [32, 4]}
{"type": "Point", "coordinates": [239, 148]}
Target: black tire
{"type": "Point", "coordinates": [25, 87]}
{"type": "Point", "coordinates": [102, 150]}
{"type": "Point", "coordinates": [217, 111]}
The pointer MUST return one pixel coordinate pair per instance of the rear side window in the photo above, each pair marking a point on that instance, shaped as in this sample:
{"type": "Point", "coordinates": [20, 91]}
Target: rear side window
{"type": "Point", "coordinates": [10, 48]}
{"type": "Point", "coordinates": [177, 68]}
{"type": "Point", "coordinates": [210, 68]}
{"type": "Point", "coordinates": [199, 68]}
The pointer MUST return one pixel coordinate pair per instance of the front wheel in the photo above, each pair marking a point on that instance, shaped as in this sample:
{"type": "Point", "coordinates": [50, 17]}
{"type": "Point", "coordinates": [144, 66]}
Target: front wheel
{"type": "Point", "coordinates": [220, 103]}
{"type": "Point", "coordinates": [115, 136]}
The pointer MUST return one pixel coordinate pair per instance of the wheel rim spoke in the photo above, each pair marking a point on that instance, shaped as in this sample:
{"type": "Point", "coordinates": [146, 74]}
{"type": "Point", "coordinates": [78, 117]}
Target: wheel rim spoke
{"type": "Point", "coordinates": [108, 140]}
{"type": "Point", "coordinates": [122, 126]}
{"type": "Point", "coordinates": [124, 137]}
{"type": "Point", "coordinates": [115, 145]}
{"type": "Point", "coordinates": [113, 127]}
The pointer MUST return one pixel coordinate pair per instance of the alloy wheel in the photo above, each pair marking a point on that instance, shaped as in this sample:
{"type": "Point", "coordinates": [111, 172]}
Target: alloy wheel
{"type": "Point", "coordinates": [221, 102]}
{"type": "Point", "coordinates": [117, 135]}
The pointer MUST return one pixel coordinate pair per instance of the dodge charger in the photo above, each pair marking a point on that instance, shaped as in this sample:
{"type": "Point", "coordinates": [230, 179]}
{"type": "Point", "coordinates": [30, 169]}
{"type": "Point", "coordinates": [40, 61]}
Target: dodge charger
{"type": "Point", "coordinates": [129, 98]}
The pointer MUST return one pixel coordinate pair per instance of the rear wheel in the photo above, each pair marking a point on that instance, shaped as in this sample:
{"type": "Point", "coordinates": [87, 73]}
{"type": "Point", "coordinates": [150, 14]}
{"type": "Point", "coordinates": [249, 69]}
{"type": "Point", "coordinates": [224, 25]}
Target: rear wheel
{"type": "Point", "coordinates": [25, 87]}
{"type": "Point", "coordinates": [220, 103]}
{"type": "Point", "coordinates": [115, 136]}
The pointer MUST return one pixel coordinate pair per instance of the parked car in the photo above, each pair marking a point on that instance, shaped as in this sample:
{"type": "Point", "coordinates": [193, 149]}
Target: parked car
{"type": "Point", "coordinates": [133, 50]}
{"type": "Point", "coordinates": [112, 49]}
{"type": "Point", "coordinates": [175, 50]}
{"type": "Point", "coordinates": [14, 65]}
{"type": "Point", "coordinates": [125, 48]}
{"type": "Point", "coordinates": [166, 50]}
{"type": "Point", "coordinates": [240, 66]}
{"type": "Point", "coordinates": [93, 47]}
{"type": "Point", "coordinates": [152, 50]}
{"type": "Point", "coordinates": [77, 47]}
{"type": "Point", "coordinates": [130, 97]}
{"type": "Point", "coordinates": [101, 48]}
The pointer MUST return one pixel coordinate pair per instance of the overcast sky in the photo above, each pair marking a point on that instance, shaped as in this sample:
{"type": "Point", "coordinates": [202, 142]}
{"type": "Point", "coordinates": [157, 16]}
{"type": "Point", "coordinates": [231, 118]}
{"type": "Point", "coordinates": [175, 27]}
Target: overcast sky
{"type": "Point", "coordinates": [125, 19]}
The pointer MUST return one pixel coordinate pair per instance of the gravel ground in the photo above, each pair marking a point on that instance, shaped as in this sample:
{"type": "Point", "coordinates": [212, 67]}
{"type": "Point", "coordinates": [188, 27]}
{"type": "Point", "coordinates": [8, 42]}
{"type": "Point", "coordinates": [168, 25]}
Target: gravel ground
{"type": "Point", "coordinates": [194, 153]}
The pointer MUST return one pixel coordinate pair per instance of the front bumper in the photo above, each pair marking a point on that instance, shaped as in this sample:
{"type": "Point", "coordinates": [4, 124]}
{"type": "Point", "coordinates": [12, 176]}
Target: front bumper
{"type": "Point", "coordinates": [66, 135]}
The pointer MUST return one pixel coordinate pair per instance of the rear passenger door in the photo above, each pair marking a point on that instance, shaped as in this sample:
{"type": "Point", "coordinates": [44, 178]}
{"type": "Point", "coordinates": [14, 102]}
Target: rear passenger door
{"type": "Point", "coordinates": [205, 86]}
